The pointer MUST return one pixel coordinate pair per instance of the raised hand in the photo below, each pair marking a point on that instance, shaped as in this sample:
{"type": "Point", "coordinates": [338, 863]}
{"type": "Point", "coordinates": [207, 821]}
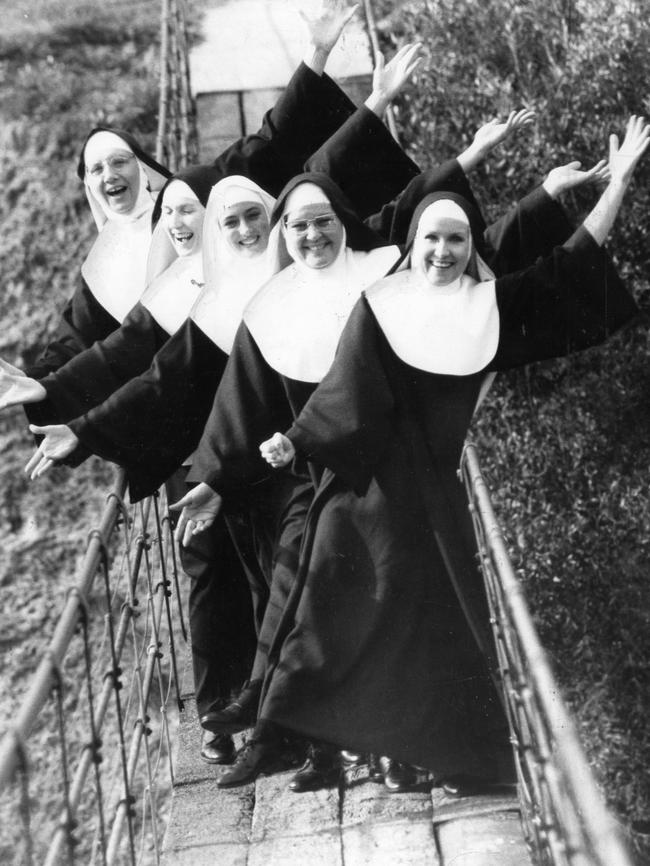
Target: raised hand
{"type": "Point", "coordinates": [325, 26]}
{"type": "Point", "coordinates": [58, 443]}
{"type": "Point", "coordinates": [570, 176]}
{"type": "Point", "coordinates": [199, 509]}
{"type": "Point", "coordinates": [17, 388]}
{"type": "Point", "coordinates": [389, 78]}
{"type": "Point", "coordinates": [494, 132]}
{"type": "Point", "coordinates": [278, 450]}
{"type": "Point", "coordinates": [623, 158]}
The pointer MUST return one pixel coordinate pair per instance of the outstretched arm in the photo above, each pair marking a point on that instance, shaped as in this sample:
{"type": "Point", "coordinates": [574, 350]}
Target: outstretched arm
{"type": "Point", "coordinates": [492, 134]}
{"type": "Point", "coordinates": [325, 26]}
{"type": "Point", "coordinates": [623, 160]}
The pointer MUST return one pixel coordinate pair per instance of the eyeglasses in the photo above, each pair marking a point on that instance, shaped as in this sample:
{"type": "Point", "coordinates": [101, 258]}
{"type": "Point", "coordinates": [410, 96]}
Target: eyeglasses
{"type": "Point", "coordinates": [321, 223]}
{"type": "Point", "coordinates": [115, 163]}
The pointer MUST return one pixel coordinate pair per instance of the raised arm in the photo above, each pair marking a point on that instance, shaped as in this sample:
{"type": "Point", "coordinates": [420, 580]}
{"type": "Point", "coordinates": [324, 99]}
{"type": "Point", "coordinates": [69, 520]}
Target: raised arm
{"type": "Point", "coordinates": [325, 26]}
{"type": "Point", "coordinates": [623, 160]}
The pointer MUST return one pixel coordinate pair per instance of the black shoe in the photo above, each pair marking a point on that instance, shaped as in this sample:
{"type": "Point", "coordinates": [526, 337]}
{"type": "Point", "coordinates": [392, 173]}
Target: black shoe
{"type": "Point", "coordinates": [465, 786]}
{"type": "Point", "coordinates": [352, 759]}
{"type": "Point", "coordinates": [321, 769]}
{"type": "Point", "coordinates": [398, 776]}
{"type": "Point", "coordinates": [217, 748]}
{"type": "Point", "coordinates": [238, 714]}
{"type": "Point", "coordinates": [375, 772]}
{"type": "Point", "coordinates": [255, 758]}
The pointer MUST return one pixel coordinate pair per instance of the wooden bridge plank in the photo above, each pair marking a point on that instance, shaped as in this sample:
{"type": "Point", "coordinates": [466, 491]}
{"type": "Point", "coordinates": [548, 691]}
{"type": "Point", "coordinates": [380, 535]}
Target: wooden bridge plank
{"type": "Point", "coordinates": [384, 829]}
{"type": "Point", "coordinates": [289, 828]}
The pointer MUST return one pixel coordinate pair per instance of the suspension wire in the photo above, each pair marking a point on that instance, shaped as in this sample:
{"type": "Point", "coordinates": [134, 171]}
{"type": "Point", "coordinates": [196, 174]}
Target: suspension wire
{"type": "Point", "coordinates": [115, 674]}
{"type": "Point", "coordinates": [68, 822]}
{"type": "Point", "coordinates": [167, 593]}
{"type": "Point", "coordinates": [95, 743]}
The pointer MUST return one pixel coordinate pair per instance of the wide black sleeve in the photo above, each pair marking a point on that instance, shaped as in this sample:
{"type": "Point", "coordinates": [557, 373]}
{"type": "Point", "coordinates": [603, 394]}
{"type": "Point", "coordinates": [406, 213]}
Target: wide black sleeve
{"type": "Point", "coordinates": [153, 422]}
{"type": "Point", "coordinates": [571, 300]}
{"type": "Point", "coordinates": [83, 322]}
{"type": "Point", "coordinates": [393, 220]}
{"type": "Point", "coordinates": [530, 229]}
{"type": "Point", "coordinates": [365, 161]}
{"type": "Point", "coordinates": [88, 378]}
{"type": "Point", "coordinates": [249, 407]}
{"type": "Point", "coordinates": [309, 111]}
{"type": "Point", "coordinates": [348, 422]}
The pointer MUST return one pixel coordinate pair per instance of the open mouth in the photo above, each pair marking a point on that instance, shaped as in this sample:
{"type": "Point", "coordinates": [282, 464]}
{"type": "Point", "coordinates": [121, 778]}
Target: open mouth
{"type": "Point", "coordinates": [441, 266]}
{"type": "Point", "coordinates": [183, 239]}
{"type": "Point", "coordinates": [114, 191]}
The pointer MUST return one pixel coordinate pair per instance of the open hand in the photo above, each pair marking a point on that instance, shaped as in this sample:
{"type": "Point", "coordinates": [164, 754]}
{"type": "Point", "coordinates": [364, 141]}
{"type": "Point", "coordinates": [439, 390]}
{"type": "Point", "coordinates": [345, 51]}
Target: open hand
{"type": "Point", "coordinates": [494, 131]}
{"type": "Point", "coordinates": [570, 176]}
{"type": "Point", "coordinates": [278, 450]}
{"type": "Point", "coordinates": [17, 388]}
{"type": "Point", "coordinates": [199, 509]}
{"type": "Point", "coordinates": [326, 25]}
{"type": "Point", "coordinates": [58, 443]}
{"type": "Point", "coordinates": [389, 78]}
{"type": "Point", "coordinates": [623, 158]}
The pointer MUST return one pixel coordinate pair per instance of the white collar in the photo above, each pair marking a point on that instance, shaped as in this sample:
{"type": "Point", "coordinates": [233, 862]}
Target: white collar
{"type": "Point", "coordinates": [454, 331]}
{"type": "Point", "coordinates": [172, 295]}
{"type": "Point", "coordinates": [297, 318]}
{"type": "Point", "coordinates": [116, 266]}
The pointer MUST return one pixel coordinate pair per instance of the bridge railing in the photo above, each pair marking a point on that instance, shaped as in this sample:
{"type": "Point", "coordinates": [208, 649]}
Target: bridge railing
{"type": "Point", "coordinates": [86, 767]}
{"type": "Point", "coordinates": [565, 820]}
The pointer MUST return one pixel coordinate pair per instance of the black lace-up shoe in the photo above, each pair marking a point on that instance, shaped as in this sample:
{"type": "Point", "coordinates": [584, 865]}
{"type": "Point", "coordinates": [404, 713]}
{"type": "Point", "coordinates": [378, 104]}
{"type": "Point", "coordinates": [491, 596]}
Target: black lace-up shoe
{"type": "Point", "coordinates": [217, 748]}
{"type": "Point", "coordinates": [398, 777]}
{"type": "Point", "coordinates": [255, 758]}
{"type": "Point", "coordinates": [321, 769]}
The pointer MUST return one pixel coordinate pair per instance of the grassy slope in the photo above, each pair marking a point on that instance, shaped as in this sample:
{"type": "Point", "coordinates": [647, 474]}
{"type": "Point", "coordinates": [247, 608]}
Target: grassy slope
{"type": "Point", "coordinates": [64, 67]}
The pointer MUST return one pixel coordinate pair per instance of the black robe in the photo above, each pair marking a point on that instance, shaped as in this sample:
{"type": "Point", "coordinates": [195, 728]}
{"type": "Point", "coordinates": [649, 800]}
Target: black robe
{"type": "Point", "coordinates": [384, 645]}
{"type": "Point", "coordinates": [291, 131]}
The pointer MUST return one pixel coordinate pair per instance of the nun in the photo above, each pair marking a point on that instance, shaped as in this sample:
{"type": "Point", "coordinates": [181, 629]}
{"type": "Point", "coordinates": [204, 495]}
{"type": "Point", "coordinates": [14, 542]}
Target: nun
{"type": "Point", "coordinates": [384, 645]}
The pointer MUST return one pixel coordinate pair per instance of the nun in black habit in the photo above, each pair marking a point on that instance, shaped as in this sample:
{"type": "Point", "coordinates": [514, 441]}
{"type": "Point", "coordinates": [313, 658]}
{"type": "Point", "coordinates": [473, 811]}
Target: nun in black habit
{"type": "Point", "coordinates": [283, 348]}
{"type": "Point", "coordinates": [121, 179]}
{"type": "Point", "coordinates": [384, 644]}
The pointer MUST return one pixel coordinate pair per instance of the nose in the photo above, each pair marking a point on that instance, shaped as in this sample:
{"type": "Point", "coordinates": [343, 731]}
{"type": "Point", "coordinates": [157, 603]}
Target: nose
{"type": "Point", "coordinates": [441, 247]}
{"type": "Point", "coordinates": [176, 220]}
{"type": "Point", "coordinates": [312, 232]}
{"type": "Point", "coordinates": [108, 172]}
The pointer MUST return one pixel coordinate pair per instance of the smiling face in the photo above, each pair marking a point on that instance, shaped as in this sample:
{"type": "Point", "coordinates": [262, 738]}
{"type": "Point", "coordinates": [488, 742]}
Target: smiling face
{"type": "Point", "coordinates": [442, 248]}
{"type": "Point", "coordinates": [314, 235]}
{"type": "Point", "coordinates": [112, 172]}
{"type": "Point", "coordinates": [245, 226]}
{"type": "Point", "coordinates": [182, 215]}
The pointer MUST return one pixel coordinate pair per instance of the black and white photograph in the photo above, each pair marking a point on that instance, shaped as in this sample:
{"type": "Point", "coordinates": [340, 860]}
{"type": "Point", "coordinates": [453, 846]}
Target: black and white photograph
{"type": "Point", "coordinates": [325, 427]}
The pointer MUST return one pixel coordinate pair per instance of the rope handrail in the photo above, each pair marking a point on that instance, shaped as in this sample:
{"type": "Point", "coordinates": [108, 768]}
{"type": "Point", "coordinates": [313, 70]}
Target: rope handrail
{"type": "Point", "coordinates": [565, 820]}
{"type": "Point", "coordinates": [124, 667]}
